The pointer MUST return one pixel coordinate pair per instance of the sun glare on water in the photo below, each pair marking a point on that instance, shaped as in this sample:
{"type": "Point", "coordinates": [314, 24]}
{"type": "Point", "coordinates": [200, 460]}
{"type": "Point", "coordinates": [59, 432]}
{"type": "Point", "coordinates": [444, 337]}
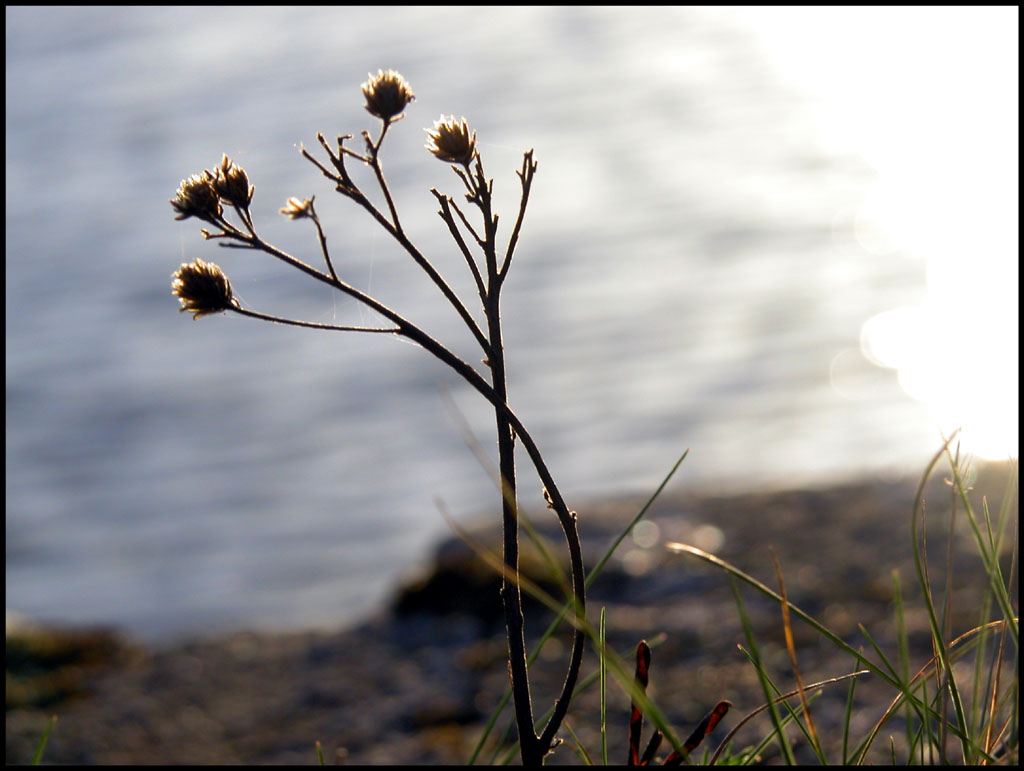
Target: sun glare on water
{"type": "Point", "coordinates": [929, 100]}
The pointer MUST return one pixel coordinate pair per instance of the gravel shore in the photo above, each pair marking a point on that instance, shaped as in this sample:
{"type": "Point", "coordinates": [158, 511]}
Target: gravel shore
{"type": "Point", "coordinates": [415, 684]}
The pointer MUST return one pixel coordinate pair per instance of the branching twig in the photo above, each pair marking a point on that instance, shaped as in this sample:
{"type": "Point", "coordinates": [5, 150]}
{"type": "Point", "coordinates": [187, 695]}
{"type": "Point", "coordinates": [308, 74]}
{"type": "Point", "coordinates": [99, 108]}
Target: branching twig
{"type": "Point", "coordinates": [526, 177]}
{"type": "Point", "coordinates": [312, 324]}
{"type": "Point", "coordinates": [204, 289]}
{"type": "Point", "coordinates": [446, 215]}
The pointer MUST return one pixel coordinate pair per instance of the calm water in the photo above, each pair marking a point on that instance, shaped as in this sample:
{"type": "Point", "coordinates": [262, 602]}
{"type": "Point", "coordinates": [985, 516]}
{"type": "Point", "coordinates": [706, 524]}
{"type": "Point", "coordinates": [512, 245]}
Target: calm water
{"type": "Point", "coordinates": [692, 273]}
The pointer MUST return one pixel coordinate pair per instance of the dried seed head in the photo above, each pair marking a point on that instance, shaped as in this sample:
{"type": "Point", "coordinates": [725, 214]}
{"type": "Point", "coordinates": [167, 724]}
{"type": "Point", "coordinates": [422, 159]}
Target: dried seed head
{"type": "Point", "coordinates": [231, 183]}
{"type": "Point", "coordinates": [196, 197]}
{"type": "Point", "coordinates": [297, 208]}
{"type": "Point", "coordinates": [451, 141]}
{"type": "Point", "coordinates": [387, 94]}
{"type": "Point", "coordinates": [202, 288]}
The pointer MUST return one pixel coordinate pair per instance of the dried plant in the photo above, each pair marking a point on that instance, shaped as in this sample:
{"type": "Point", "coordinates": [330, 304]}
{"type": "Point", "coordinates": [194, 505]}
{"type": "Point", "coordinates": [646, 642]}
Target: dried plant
{"type": "Point", "coordinates": [636, 720]}
{"type": "Point", "coordinates": [204, 289]}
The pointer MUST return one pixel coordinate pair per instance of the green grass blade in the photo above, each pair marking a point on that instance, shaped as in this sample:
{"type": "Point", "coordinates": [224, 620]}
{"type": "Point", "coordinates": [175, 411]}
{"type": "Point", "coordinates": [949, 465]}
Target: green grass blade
{"type": "Point", "coordinates": [878, 650]}
{"type": "Point", "coordinates": [903, 643]}
{"type": "Point", "coordinates": [958, 646]}
{"type": "Point", "coordinates": [767, 687]}
{"type": "Point", "coordinates": [38, 757]}
{"type": "Point", "coordinates": [732, 570]}
{"type": "Point", "coordinates": [938, 637]}
{"type": "Point", "coordinates": [580, 749]}
{"type": "Point", "coordinates": [629, 528]}
{"type": "Point", "coordinates": [847, 714]}
{"type": "Point", "coordinates": [990, 558]}
{"type": "Point", "coordinates": [793, 713]}
{"type": "Point", "coordinates": [902, 639]}
{"type": "Point", "coordinates": [603, 675]}
{"type": "Point", "coordinates": [554, 567]}
{"type": "Point", "coordinates": [724, 744]}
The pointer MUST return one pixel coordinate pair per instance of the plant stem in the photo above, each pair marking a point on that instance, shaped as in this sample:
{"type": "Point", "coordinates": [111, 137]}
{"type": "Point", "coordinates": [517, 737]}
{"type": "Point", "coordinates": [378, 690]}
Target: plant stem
{"type": "Point", "coordinates": [509, 427]}
{"type": "Point", "coordinates": [529, 742]}
{"type": "Point", "coordinates": [533, 748]}
{"type": "Point", "coordinates": [312, 324]}
{"type": "Point", "coordinates": [532, 753]}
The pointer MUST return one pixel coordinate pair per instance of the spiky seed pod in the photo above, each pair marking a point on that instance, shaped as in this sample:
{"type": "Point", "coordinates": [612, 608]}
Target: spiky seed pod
{"type": "Point", "coordinates": [232, 183]}
{"type": "Point", "coordinates": [297, 208]}
{"type": "Point", "coordinates": [196, 197]}
{"type": "Point", "coordinates": [202, 288]}
{"type": "Point", "coordinates": [451, 141]}
{"type": "Point", "coordinates": [387, 94]}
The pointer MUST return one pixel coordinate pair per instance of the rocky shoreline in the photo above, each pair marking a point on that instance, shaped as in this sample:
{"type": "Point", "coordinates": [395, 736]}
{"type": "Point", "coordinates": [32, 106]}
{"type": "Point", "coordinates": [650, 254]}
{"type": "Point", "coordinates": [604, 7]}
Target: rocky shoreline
{"type": "Point", "coordinates": [416, 683]}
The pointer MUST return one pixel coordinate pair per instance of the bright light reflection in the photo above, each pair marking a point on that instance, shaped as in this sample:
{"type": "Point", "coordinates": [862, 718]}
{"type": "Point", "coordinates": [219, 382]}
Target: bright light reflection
{"type": "Point", "coordinates": [930, 101]}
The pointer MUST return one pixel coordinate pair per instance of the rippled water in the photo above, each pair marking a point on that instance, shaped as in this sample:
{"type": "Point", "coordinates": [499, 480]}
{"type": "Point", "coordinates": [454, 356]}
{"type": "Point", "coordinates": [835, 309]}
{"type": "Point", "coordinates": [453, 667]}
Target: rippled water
{"type": "Point", "coordinates": [688, 276]}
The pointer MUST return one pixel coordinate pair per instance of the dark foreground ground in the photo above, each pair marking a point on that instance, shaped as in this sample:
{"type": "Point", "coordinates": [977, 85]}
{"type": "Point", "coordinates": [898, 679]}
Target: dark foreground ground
{"type": "Point", "coordinates": [416, 684]}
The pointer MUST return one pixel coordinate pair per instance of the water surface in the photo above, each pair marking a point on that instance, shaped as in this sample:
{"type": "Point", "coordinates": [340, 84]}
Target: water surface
{"type": "Point", "coordinates": [692, 274]}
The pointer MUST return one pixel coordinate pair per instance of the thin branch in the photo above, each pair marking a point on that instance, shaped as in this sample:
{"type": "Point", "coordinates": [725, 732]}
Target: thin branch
{"type": "Point", "coordinates": [484, 188]}
{"type": "Point", "coordinates": [313, 324]}
{"type": "Point", "coordinates": [227, 229]}
{"type": "Point", "coordinates": [446, 215]}
{"type": "Point", "coordinates": [427, 268]}
{"type": "Point", "coordinates": [347, 187]}
{"type": "Point", "coordinates": [405, 327]}
{"type": "Point", "coordinates": [387, 195]}
{"type": "Point", "coordinates": [255, 242]}
{"type": "Point", "coordinates": [323, 169]}
{"type": "Point", "coordinates": [337, 159]}
{"type": "Point", "coordinates": [323, 239]}
{"type": "Point", "coordinates": [350, 153]}
{"type": "Point", "coordinates": [379, 172]}
{"type": "Point", "coordinates": [465, 223]}
{"type": "Point", "coordinates": [526, 178]}
{"type": "Point", "coordinates": [342, 180]}
{"type": "Point", "coordinates": [243, 214]}
{"type": "Point", "coordinates": [229, 245]}
{"type": "Point", "coordinates": [471, 190]}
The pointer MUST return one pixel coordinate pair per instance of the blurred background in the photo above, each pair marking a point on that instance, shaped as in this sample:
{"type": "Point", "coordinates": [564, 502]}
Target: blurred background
{"type": "Point", "coordinates": [784, 239]}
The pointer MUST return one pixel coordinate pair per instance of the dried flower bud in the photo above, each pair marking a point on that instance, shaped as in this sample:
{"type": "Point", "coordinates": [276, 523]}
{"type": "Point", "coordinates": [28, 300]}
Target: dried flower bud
{"type": "Point", "coordinates": [297, 208]}
{"type": "Point", "coordinates": [232, 183]}
{"type": "Point", "coordinates": [387, 94]}
{"type": "Point", "coordinates": [451, 141]}
{"type": "Point", "coordinates": [202, 288]}
{"type": "Point", "coordinates": [196, 197]}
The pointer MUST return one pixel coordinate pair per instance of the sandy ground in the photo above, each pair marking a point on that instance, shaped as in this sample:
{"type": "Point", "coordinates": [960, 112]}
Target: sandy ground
{"type": "Point", "coordinates": [416, 683]}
